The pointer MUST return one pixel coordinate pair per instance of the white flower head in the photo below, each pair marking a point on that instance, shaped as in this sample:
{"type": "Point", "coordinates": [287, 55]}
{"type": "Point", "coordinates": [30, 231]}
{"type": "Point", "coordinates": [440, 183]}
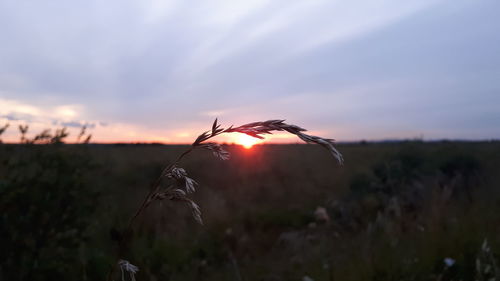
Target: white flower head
{"type": "Point", "coordinates": [307, 278]}
{"type": "Point", "coordinates": [449, 262]}
{"type": "Point", "coordinates": [130, 268]}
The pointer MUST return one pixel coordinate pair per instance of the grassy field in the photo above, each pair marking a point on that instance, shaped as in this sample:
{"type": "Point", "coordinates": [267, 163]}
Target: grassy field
{"type": "Point", "coordinates": [394, 211]}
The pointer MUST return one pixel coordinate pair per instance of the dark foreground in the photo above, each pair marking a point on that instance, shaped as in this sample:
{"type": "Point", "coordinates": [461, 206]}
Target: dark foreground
{"type": "Point", "coordinates": [394, 211]}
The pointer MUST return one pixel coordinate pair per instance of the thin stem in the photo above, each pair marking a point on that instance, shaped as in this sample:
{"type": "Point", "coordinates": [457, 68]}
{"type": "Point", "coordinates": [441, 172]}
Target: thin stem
{"type": "Point", "coordinates": [146, 201]}
{"type": "Point", "coordinates": [255, 129]}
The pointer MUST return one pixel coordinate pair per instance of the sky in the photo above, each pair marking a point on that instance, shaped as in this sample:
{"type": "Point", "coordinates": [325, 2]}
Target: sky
{"type": "Point", "coordinates": [161, 71]}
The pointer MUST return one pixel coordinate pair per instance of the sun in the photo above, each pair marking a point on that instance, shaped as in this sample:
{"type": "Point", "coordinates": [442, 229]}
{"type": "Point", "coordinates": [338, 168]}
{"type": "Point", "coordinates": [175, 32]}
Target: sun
{"type": "Point", "coordinates": [246, 141]}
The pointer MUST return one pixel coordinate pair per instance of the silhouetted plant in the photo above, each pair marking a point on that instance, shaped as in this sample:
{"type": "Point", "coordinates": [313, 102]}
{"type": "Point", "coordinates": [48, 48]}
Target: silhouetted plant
{"type": "Point", "coordinates": [486, 264]}
{"type": "Point", "coordinates": [179, 184]}
{"type": "Point", "coordinates": [59, 136]}
{"type": "Point", "coordinates": [82, 133]}
{"type": "Point", "coordinates": [2, 130]}
{"type": "Point", "coordinates": [23, 129]}
{"type": "Point", "coordinates": [45, 210]}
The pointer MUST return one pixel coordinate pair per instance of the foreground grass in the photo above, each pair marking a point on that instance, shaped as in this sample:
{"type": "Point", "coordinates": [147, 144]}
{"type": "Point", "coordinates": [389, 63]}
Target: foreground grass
{"type": "Point", "coordinates": [396, 211]}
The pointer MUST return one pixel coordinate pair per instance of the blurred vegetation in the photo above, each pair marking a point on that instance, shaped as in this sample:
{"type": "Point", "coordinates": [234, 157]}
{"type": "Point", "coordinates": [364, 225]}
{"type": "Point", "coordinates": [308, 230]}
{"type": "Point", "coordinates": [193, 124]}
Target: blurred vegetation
{"type": "Point", "coordinates": [394, 211]}
{"type": "Point", "coordinates": [46, 206]}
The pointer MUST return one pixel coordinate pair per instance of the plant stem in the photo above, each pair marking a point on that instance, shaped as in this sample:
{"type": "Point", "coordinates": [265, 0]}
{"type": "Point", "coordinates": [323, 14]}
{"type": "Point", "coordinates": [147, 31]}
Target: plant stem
{"type": "Point", "coordinates": [145, 203]}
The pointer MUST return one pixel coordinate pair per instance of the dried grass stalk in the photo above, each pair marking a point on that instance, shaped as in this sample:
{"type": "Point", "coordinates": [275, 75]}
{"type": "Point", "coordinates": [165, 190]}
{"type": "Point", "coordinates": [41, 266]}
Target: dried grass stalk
{"type": "Point", "coordinates": [182, 185]}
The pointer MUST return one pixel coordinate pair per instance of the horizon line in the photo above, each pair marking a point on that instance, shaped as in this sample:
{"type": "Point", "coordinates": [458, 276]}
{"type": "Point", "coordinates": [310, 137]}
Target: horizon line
{"type": "Point", "coordinates": [389, 140]}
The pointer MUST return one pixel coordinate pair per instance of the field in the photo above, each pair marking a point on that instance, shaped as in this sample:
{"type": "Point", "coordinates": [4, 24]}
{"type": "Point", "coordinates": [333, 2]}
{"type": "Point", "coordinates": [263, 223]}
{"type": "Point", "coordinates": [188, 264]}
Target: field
{"type": "Point", "coordinates": [394, 211]}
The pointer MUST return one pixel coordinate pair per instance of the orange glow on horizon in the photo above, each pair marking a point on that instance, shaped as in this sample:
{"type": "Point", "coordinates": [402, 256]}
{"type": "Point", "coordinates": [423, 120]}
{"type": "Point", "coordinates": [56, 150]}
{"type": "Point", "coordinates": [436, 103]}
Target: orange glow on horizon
{"type": "Point", "coordinates": [246, 141]}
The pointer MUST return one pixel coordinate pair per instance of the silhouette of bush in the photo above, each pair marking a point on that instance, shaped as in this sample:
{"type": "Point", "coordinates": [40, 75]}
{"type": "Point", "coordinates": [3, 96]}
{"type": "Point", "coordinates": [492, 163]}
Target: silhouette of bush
{"type": "Point", "coordinates": [45, 210]}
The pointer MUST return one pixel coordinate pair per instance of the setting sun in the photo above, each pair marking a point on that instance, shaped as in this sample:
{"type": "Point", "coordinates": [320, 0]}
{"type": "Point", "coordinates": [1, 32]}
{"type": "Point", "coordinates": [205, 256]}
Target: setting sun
{"type": "Point", "coordinates": [246, 141]}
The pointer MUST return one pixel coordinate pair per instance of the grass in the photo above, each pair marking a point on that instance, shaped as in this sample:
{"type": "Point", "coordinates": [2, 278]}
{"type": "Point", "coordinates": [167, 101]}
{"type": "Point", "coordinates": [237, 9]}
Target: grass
{"type": "Point", "coordinates": [259, 218]}
{"type": "Point", "coordinates": [180, 184]}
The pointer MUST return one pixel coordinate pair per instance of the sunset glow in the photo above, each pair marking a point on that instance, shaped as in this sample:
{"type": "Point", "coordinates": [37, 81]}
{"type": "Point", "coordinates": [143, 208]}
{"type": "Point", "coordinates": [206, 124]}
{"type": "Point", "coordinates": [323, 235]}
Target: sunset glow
{"type": "Point", "coordinates": [342, 68]}
{"type": "Point", "coordinates": [246, 141]}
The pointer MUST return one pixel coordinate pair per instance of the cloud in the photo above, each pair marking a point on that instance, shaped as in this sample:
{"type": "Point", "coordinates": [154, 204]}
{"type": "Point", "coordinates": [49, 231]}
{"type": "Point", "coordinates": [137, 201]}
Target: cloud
{"type": "Point", "coordinates": [23, 111]}
{"type": "Point", "coordinates": [214, 113]}
{"type": "Point", "coordinates": [77, 124]}
{"type": "Point", "coordinates": [156, 11]}
{"type": "Point", "coordinates": [18, 117]}
{"type": "Point", "coordinates": [39, 118]}
{"type": "Point", "coordinates": [162, 67]}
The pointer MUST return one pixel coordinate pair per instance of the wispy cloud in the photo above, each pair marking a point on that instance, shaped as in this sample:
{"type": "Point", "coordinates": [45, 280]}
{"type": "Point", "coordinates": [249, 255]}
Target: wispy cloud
{"type": "Point", "coordinates": [160, 69]}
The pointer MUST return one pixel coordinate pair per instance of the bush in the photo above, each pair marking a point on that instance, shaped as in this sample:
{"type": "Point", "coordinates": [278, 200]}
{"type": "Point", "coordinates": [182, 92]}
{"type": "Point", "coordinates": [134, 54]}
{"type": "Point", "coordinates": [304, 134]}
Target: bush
{"type": "Point", "coordinates": [45, 210]}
